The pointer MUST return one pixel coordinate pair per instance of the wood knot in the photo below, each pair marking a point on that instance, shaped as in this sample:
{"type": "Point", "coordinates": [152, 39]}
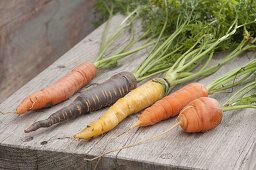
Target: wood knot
{"type": "Point", "coordinates": [61, 66]}
{"type": "Point", "coordinates": [44, 143]}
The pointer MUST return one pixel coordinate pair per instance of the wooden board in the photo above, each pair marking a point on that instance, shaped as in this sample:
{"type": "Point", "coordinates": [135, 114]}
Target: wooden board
{"type": "Point", "coordinates": [231, 145]}
{"type": "Point", "coordinates": [33, 34]}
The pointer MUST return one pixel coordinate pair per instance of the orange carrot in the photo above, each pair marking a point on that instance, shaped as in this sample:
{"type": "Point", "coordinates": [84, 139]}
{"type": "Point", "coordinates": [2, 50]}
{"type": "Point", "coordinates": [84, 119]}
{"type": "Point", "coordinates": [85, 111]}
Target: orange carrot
{"type": "Point", "coordinates": [60, 90]}
{"type": "Point", "coordinates": [171, 105]}
{"type": "Point", "coordinates": [200, 115]}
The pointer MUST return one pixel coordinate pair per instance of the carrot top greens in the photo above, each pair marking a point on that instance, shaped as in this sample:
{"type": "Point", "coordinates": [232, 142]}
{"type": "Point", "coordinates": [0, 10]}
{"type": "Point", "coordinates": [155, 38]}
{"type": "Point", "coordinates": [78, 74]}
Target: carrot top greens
{"type": "Point", "coordinates": [185, 29]}
{"type": "Point", "coordinates": [196, 37]}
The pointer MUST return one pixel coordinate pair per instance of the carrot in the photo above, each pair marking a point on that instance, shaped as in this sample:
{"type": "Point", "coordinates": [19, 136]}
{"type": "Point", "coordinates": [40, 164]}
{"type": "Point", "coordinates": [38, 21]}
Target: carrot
{"type": "Point", "coordinates": [98, 97]}
{"type": "Point", "coordinates": [200, 115]}
{"type": "Point", "coordinates": [146, 94]}
{"type": "Point", "coordinates": [205, 113]}
{"type": "Point", "coordinates": [171, 105]}
{"type": "Point", "coordinates": [60, 90]}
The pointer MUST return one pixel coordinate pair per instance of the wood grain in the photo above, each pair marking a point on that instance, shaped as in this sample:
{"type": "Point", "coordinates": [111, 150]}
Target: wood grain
{"type": "Point", "coordinates": [231, 145]}
{"type": "Point", "coordinates": [34, 33]}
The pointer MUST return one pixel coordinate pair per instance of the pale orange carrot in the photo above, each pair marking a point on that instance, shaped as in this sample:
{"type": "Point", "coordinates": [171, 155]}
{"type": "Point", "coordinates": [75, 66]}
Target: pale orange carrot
{"type": "Point", "coordinates": [200, 115]}
{"type": "Point", "coordinates": [60, 90]}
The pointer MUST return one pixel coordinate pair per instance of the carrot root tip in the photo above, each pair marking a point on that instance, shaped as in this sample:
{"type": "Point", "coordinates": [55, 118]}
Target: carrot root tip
{"type": "Point", "coordinates": [136, 125]}
{"type": "Point", "coordinates": [78, 136]}
{"type": "Point", "coordinates": [28, 130]}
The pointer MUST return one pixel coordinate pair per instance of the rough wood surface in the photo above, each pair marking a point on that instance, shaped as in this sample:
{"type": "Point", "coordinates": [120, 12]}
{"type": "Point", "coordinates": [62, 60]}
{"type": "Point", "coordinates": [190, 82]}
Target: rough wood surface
{"type": "Point", "coordinates": [231, 145]}
{"type": "Point", "coordinates": [34, 33]}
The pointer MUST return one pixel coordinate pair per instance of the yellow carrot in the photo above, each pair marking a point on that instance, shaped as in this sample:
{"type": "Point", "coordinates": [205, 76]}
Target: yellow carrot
{"type": "Point", "coordinates": [135, 101]}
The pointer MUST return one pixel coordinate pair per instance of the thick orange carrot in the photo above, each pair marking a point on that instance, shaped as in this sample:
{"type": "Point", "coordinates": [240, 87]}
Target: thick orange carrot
{"type": "Point", "coordinates": [60, 90]}
{"type": "Point", "coordinates": [200, 115]}
{"type": "Point", "coordinates": [172, 104]}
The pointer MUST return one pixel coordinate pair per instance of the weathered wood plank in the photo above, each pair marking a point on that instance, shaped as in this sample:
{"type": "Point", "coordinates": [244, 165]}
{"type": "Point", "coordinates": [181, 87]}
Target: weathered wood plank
{"type": "Point", "coordinates": [13, 10]}
{"type": "Point", "coordinates": [35, 33]}
{"type": "Point", "coordinates": [232, 145]}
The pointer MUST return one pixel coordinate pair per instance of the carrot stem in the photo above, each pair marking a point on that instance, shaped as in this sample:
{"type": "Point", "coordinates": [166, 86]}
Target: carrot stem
{"type": "Point", "coordinates": [103, 62]}
{"type": "Point", "coordinates": [229, 108]}
{"type": "Point", "coordinates": [145, 65]}
{"type": "Point", "coordinates": [106, 28]}
{"type": "Point", "coordinates": [208, 71]}
{"type": "Point", "coordinates": [240, 98]}
{"type": "Point", "coordinates": [149, 58]}
{"type": "Point", "coordinates": [235, 77]}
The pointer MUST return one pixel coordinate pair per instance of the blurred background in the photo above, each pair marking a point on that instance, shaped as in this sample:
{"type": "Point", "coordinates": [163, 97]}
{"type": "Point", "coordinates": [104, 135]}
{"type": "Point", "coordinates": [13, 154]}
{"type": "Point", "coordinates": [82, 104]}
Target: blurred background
{"type": "Point", "coordinates": [34, 33]}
